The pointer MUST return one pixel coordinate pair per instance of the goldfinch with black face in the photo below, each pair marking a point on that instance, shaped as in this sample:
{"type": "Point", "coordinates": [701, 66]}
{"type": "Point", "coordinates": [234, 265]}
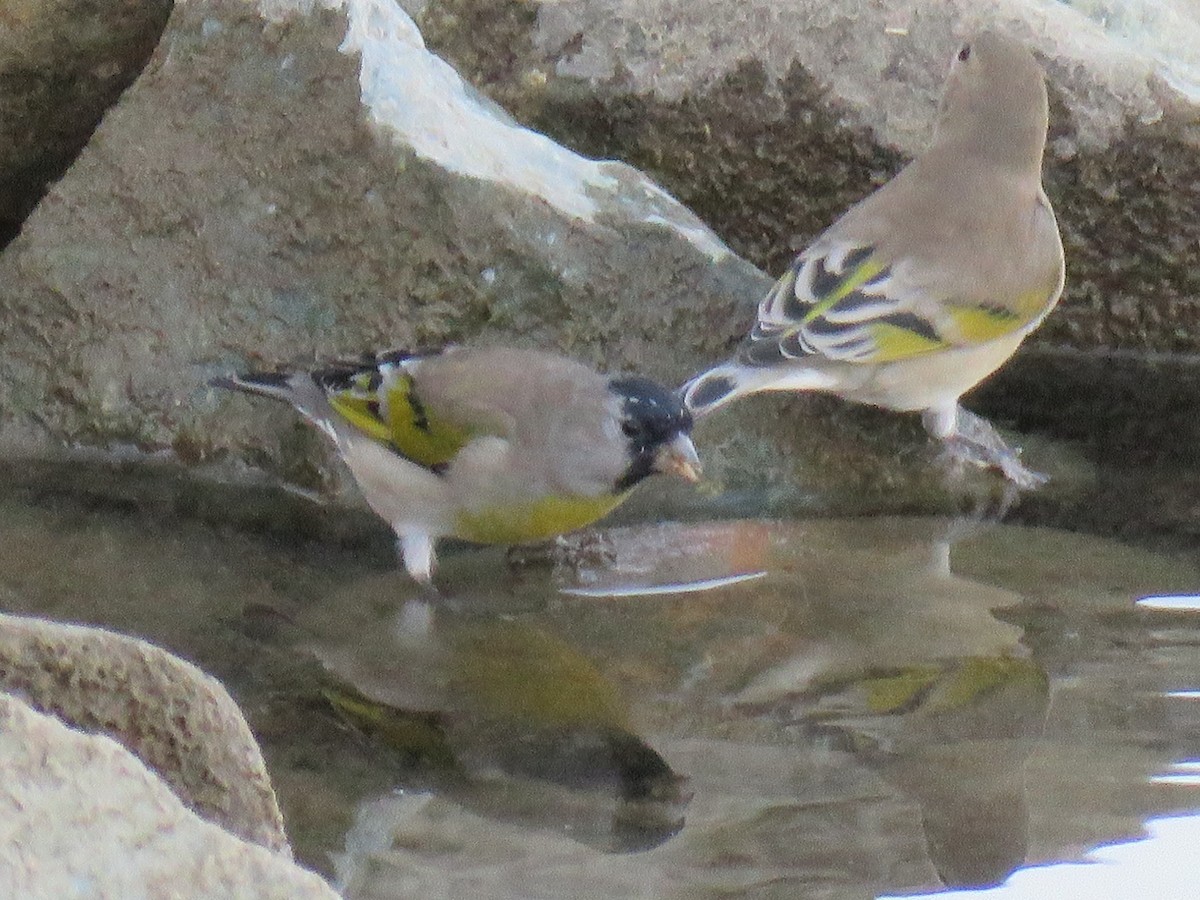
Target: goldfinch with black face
{"type": "Point", "coordinates": [493, 446]}
{"type": "Point", "coordinates": [926, 287]}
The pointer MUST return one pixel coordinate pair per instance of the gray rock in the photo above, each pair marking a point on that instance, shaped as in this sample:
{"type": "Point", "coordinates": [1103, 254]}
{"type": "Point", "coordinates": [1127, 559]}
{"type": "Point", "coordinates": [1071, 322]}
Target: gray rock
{"type": "Point", "coordinates": [285, 183]}
{"type": "Point", "coordinates": [261, 196]}
{"type": "Point", "coordinates": [178, 721]}
{"type": "Point", "coordinates": [288, 182]}
{"type": "Point", "coordinates": [84, 817]}
{"type": "Point", "coordinates": [62, 63]}
{"type": "Point", "coordinates": [770, 118]}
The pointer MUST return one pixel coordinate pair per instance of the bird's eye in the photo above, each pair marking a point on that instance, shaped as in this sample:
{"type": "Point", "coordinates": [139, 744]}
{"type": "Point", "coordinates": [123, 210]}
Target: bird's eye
{"type": "Point", "coordinates": [965, 53]}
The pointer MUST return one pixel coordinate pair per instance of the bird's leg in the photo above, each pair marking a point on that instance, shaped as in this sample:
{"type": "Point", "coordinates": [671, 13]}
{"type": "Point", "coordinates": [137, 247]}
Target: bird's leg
{"type": "Point", "coordinates": [969, 438]}
{"type": "Point", "coordinates": [981, 437]}
{"type": "Point", "coordinates": [416, 552]}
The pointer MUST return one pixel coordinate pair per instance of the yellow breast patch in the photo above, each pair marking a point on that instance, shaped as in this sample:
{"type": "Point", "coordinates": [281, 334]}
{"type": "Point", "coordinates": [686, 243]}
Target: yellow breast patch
{"type": "Point", "coordinates": [537, 520]}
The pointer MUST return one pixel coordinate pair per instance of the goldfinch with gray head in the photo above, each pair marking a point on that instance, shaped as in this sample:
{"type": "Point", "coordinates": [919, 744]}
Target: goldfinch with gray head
{"type": "Point", "coordinates": [927, 286]}
{"type": "Point", "coordinates": [494, 446]}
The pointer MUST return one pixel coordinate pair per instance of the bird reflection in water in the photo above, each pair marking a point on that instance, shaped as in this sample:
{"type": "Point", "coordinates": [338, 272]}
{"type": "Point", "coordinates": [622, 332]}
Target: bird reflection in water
{"type": "Point", "coordinates": [516, 726]}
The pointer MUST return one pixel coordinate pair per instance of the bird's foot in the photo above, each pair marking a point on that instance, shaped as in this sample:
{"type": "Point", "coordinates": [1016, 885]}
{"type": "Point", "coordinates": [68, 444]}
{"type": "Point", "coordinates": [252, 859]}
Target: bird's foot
{"type": "Point", "coordinates": [976, 442]}
{"type": "Point", "coordinates": [573, 551]}
{"type": "Point", "coordinates": [985, 508]}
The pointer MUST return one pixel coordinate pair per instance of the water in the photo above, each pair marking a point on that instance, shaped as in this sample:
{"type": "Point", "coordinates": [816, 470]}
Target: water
{"type": "Point", "coordinates": [898, 706]}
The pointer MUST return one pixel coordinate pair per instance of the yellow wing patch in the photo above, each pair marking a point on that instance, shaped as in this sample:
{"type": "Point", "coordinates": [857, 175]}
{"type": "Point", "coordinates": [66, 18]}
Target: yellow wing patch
{"type": "Point", "coordinates": [894, 693]}
{"type": "Point", "coordinates": [418, 735]}
{"type": "Point", "coordinates": [853, 280]}
{"type": "Point", "coordinates": [416, 432]}
{"type": "Point", "coordinates": [901, 335]}
{"type": "Point", "coordinates": [976, 324]}
{"type": "Point", "coordinates": [409, 428]}
{"type": "Point", "coordinates": [893, 342]}
{"type": "Point", "coordinates": [362, 413]}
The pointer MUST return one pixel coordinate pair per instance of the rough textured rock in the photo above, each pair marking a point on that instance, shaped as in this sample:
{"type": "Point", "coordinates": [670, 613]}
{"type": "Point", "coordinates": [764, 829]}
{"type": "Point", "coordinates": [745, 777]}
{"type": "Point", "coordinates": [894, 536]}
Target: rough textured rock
{"type": "Point", "coordinates": [62, 64]}
{"type": "Point", "coordinates": [83, 817]}
{"type": "Point", "coordinates": [770, 118]}
{"type": "Point", "coordinates": [177, 720]}
{"type": "Point", "coordinates": [285, 182]}
{"type": "Point", "coordinates": [291, 180]}
{"type": "Point", "coordinates": [261, 195]}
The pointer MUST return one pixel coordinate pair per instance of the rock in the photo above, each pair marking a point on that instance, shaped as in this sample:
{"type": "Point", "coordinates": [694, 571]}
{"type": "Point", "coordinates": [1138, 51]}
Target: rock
{"type": "Point", "coordinates": [261, 195]}
{"type": "Point", "coordinates": [62, 64]}
{"type": "Point", "coordinates": [288, 181]}
{"type": "Point", "coordinates": [283, 184]}
{"type": "Point", "coordinates": [770, 119]}
{"type": "Point", "coordinates": [178, 721]}
{"type": "Point", "coordinates": [84, 817]}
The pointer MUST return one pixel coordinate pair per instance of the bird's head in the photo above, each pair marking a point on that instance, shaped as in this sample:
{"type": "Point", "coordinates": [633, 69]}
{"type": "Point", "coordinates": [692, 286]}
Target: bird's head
{"type": "Point", "coordinates": [657, 428]}
{"type": "Point", "coordinates": [994, 101]}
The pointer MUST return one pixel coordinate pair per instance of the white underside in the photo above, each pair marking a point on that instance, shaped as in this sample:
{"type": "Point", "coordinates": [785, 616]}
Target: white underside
{"type": "Point", "coordinates": [931, 381]}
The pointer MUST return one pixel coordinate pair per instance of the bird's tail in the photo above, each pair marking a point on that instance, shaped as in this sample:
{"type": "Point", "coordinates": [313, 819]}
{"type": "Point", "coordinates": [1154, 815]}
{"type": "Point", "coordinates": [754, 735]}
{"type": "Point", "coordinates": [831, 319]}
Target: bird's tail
{"type": "Point", "coordinates": [714, 388]}
{"type": "Point", "coordinates": [277, 385]}
{"type": "Point", "coordinates": [297, 388]}
{"type": "Point", "coordinates": [728, 381]}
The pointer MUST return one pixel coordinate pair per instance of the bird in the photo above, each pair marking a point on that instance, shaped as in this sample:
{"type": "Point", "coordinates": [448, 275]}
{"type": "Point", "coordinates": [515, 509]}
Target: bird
{"type": "Point", "coordinates": [925, 287]}
{"type": "Point", "coordinates": [490, 445]}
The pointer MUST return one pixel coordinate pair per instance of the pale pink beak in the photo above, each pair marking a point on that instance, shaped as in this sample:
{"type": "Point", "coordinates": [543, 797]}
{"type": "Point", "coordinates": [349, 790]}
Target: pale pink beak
{"type": "Point", "coordinates": [679, 457]}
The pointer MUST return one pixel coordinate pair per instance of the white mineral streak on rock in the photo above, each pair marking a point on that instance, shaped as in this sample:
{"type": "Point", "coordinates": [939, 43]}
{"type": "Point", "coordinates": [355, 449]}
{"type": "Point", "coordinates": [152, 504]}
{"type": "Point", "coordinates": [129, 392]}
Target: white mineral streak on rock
{"type": "Point", "coordinates": [423, 103]}
{"type": "Point", "coordinates": [669, 213]}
